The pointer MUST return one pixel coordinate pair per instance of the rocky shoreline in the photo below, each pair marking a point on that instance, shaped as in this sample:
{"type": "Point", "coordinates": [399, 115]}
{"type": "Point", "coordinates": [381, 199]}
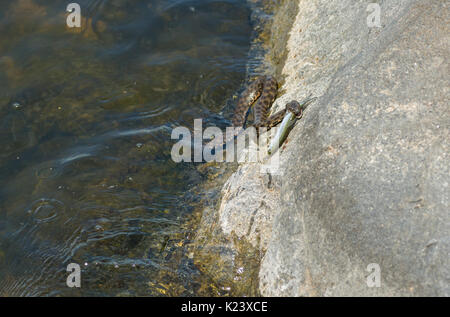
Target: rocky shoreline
{"type": "Point", "coordinates": [364, 184]}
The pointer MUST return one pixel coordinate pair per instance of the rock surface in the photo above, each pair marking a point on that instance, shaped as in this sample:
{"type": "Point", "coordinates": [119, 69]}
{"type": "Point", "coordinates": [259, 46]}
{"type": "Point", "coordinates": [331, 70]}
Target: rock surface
{"type": "Point", "coordinates": [366, 171]}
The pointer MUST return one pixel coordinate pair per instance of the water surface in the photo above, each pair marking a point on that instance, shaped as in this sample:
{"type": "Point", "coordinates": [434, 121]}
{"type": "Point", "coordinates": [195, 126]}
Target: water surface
{"type": "Point", "coordinates": [85, 122]}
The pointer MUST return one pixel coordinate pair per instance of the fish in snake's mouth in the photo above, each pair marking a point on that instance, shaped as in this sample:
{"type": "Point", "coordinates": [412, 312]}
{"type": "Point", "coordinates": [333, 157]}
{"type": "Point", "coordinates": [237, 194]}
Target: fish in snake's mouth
{"type": "Point", "coordinates": [259, 95]}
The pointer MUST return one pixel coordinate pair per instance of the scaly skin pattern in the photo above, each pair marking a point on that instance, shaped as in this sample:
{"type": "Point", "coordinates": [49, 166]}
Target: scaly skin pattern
{"type": "Point", "coordinates": [246, 100]}
{"type": "Point", "coordinates": [260, 94]}
{"type": "Point", "coordinates": [265, 101]}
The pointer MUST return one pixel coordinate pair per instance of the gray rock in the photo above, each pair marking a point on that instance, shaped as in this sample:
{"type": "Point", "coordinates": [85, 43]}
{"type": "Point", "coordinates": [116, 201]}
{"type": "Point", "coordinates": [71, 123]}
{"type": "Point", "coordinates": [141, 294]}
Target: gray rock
{"type": "Point", "coordinates": [366, 171]}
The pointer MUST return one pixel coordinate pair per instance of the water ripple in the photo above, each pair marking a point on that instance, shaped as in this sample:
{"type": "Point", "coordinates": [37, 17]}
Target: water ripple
{"type": "Point", "coordinates": [45, 210]}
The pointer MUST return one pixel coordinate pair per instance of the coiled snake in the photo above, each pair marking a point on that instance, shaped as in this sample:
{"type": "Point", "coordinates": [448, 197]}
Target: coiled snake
{"type": "Point", "coordinates": [260, 94]}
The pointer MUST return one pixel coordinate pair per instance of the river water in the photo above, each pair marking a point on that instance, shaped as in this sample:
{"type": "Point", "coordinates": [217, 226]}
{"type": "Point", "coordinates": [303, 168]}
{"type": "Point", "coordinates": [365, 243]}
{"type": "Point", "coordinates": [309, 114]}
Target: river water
{"type": "Point", "coordinates": [86, 116]}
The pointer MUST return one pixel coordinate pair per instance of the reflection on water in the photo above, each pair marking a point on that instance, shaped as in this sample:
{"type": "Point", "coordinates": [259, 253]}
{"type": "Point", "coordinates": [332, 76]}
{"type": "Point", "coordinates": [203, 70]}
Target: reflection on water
{"type": "Point", "coordinates": [85, 122]}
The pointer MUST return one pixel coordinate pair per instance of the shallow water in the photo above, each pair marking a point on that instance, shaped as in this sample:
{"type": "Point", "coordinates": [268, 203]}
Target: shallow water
{"type": "Point", "coordinates": [85, 122]}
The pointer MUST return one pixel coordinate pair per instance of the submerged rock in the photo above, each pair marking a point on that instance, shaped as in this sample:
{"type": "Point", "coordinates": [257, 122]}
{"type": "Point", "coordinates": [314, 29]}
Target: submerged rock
{"type": "Point", "coordinates": [366, 171]}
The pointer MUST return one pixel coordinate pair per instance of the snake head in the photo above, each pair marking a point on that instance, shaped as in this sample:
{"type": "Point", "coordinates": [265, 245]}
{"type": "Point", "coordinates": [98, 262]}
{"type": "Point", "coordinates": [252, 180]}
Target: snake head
{"type": "Point", "coordinates": [295, 108]}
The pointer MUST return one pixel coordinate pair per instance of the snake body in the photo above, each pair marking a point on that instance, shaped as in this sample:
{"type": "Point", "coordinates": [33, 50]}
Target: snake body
{"type": "Point", "coordinates": [260, 94]}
